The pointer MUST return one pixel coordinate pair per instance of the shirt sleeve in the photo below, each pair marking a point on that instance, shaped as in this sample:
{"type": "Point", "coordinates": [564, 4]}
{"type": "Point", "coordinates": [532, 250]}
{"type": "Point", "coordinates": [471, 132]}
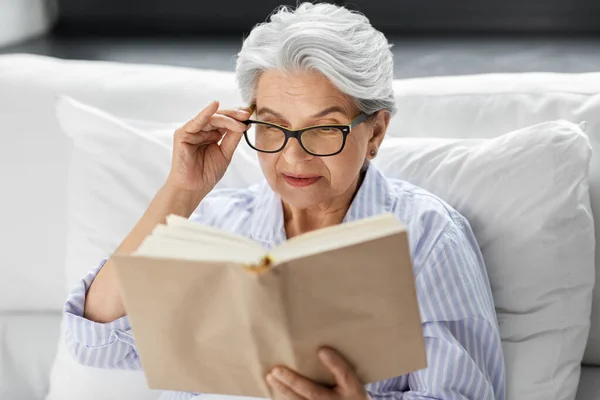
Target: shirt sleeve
{"type": "Point", "coordinates": [464, 351]}
{"type": "Point", "coordinates": [103, 345]}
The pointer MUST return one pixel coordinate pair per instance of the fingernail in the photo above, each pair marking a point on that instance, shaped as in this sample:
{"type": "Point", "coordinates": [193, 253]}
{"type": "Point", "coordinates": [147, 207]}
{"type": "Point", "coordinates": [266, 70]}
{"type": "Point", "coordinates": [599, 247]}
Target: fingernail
{"type": "Point", "coordinates": [278, 372]}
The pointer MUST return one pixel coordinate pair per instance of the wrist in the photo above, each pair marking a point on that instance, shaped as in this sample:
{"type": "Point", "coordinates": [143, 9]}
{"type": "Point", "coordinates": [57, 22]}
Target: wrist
{"type": "Point", "coordinates": [181, 201]}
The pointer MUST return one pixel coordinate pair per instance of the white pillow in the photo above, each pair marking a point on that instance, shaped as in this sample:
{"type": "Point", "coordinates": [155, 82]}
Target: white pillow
{"type": "Point", "coordinates": [526, 197]}
{"type": "Point", "coordinates": [488, 105]}
{"type": "Point", "coordinates": [524, 193]}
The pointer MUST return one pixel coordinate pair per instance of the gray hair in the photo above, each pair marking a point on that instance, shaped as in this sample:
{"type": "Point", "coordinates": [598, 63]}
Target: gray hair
{"type": "Point", "coordinates": [340, 44]}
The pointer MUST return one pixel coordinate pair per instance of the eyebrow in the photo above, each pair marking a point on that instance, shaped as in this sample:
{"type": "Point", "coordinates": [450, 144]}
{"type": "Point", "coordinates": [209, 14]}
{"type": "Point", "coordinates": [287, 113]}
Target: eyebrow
{"type": "Point", "coordinates": [330, 110]}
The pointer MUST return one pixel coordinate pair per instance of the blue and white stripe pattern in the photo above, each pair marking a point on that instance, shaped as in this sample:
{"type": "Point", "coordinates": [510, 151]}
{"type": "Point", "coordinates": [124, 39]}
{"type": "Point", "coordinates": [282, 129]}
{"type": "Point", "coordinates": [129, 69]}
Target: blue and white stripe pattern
{"type": "Point", "coordinates": [459, 322]}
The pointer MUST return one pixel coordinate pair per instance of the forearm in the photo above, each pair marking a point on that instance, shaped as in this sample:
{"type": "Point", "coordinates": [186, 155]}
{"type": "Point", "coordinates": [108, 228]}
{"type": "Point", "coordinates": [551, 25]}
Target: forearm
{"type": "Point", "coordinates": [103, 301]}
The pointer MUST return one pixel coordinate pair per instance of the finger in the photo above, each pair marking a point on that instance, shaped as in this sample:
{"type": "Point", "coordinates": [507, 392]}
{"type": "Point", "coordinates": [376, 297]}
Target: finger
{"type": "Point", "coordinates": [229, 144]}
{"type": "Point", "coordinates": [223, 121]}
{"type": "Point", "coordinates": [196, 139]}
{"type": "Point", "coordinates": [344, 373]}
{"type": "Point", "coordinates": [199, 121]}
{"type": "Point", "coordinates": [240, 114]}
{"type": "Point", "coordinates": [281, 391]}
{"type": "Point", "coordinates": [299, 384]}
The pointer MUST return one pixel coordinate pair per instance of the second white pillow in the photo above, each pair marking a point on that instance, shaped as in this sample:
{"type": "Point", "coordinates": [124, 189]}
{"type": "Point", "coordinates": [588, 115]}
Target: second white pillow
{"type": "Point", "coordinates": [526, 197]}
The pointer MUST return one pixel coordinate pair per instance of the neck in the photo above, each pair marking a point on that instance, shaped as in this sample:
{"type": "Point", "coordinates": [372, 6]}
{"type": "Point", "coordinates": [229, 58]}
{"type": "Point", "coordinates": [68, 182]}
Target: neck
{"type": "Point", "coordinates": [298, 221]}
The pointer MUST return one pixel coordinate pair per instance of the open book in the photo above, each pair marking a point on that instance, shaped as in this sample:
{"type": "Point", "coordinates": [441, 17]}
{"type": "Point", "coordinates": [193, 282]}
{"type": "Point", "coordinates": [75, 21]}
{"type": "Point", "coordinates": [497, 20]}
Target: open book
{"type": "Point", "coordinates": [213, 312]}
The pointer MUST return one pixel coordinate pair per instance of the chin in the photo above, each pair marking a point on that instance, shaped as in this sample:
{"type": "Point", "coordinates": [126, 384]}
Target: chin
{"type": "Point", "coordinates": [299, 204]}
{"type": "Point", "coordinates": [302, 198]}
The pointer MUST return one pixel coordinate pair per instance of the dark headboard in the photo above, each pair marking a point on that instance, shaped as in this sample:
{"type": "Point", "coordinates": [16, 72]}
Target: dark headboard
{"type": "Point", "coordinates": [391, 16]}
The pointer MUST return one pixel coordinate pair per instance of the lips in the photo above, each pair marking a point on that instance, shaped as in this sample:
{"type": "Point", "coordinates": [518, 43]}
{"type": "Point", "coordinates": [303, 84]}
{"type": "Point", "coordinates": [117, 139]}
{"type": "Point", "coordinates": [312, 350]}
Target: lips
{"type": "Point", "coordinates": [298, 180]}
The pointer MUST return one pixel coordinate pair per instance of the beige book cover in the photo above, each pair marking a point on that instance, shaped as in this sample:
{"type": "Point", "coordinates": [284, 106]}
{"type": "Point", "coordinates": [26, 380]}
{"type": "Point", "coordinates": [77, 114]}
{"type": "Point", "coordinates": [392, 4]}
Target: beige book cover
{"type": "Point", "coordinates": [213, 313]}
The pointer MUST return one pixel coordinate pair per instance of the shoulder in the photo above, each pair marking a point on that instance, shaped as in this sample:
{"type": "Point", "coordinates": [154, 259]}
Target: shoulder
{"type": "Point", "coordinates": [428, 219]}
{"type": "Point", "coordinates": [228, 209]}
{"type": "Point", "coordinates": [446, 256]}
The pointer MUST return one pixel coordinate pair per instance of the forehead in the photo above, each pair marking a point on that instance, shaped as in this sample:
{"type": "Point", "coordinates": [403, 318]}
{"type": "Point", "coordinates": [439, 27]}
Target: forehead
{"type": "Point", "coordinates": [306, 89]}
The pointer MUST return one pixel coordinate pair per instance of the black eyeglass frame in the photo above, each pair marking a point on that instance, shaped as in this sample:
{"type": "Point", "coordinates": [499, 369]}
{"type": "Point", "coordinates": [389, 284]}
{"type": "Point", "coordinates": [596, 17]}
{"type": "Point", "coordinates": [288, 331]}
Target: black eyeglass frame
{"type": "Point", "coordinates": [345, 129]}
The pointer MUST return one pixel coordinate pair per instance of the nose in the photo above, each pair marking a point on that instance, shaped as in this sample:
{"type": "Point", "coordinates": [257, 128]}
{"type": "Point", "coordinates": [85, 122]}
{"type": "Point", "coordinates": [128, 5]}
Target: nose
{"type": "Point", "coordinates": [294, 153]}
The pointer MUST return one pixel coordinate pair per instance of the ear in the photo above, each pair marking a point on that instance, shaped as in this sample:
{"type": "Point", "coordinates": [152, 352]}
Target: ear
{"type": "Point", "coordinates": [380, 124]}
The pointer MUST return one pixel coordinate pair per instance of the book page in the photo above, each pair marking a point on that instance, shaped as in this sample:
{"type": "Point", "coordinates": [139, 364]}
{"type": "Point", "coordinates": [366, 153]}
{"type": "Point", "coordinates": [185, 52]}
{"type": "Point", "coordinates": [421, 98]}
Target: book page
{"type": "Point", "coordinates": [188, 240]}
{"type": "Point", "coordinates": [209, 231]}
{"type": "Point", "coordinates": [336, 237]}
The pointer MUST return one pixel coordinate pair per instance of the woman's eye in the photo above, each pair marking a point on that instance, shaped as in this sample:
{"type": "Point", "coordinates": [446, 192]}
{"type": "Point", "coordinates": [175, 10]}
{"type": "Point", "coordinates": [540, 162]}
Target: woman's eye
{"type": "Point", "coordinates": [327, 130]}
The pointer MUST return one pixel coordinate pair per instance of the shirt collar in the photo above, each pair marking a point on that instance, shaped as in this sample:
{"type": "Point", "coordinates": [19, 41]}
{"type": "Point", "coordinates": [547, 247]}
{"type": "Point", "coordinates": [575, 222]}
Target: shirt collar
{"type": "Point", "coordinates": [375, 196]}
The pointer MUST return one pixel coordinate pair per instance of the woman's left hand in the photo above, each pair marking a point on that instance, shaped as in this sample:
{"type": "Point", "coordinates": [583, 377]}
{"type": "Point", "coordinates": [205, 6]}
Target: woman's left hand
{"type": "Point", "coordinates": [288, 385]}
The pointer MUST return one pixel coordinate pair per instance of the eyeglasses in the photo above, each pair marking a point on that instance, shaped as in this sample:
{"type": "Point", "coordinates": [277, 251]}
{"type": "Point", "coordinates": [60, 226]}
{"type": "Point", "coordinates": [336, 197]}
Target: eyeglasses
{"type": "Point", "coordinates": [321, 140]}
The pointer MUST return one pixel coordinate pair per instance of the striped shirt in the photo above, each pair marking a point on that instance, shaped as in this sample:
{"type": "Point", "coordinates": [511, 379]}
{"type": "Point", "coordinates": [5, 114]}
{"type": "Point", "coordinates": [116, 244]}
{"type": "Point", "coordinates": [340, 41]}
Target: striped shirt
{"type": "Point", "coordinates": [464, 351]}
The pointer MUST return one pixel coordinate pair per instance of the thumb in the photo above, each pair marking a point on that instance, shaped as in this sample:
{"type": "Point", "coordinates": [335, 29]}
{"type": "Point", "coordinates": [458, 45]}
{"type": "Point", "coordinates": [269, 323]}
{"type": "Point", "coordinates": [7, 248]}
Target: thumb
{"type": "Point", "coordinates": [230, 143]}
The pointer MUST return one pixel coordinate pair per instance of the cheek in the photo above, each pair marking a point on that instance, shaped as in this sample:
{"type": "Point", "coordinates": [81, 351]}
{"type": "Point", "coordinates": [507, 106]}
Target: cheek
{"type": "Point", "coordinates": [357, 143]}
{"type": "Point", "coordinates": [354, 152]}
{"type": "Point", "coordinates": [344, 167]}
{"type": "Point", "coordinates": [268, 163]}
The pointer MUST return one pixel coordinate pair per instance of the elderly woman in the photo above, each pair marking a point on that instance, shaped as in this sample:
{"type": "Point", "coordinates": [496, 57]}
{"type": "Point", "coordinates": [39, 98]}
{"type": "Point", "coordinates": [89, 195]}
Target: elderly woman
{"type": "Point", "coordinates": [319, 81]}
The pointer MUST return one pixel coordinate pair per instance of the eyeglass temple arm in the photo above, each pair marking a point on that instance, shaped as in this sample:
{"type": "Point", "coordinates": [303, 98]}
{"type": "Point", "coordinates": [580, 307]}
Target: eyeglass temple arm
{"type": "Point", "coordinates": [362, 117]}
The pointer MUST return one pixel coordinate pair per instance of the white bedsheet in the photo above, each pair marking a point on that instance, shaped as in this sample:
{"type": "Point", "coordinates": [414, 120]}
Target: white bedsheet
{"type": "Point", "coordinates": [27, 347]}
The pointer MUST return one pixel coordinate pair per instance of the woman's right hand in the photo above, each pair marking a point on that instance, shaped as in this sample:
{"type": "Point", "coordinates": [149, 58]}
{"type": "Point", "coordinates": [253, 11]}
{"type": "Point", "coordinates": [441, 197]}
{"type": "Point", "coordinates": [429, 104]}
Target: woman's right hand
{"type": "Point", "coordinates": [199, 161]}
